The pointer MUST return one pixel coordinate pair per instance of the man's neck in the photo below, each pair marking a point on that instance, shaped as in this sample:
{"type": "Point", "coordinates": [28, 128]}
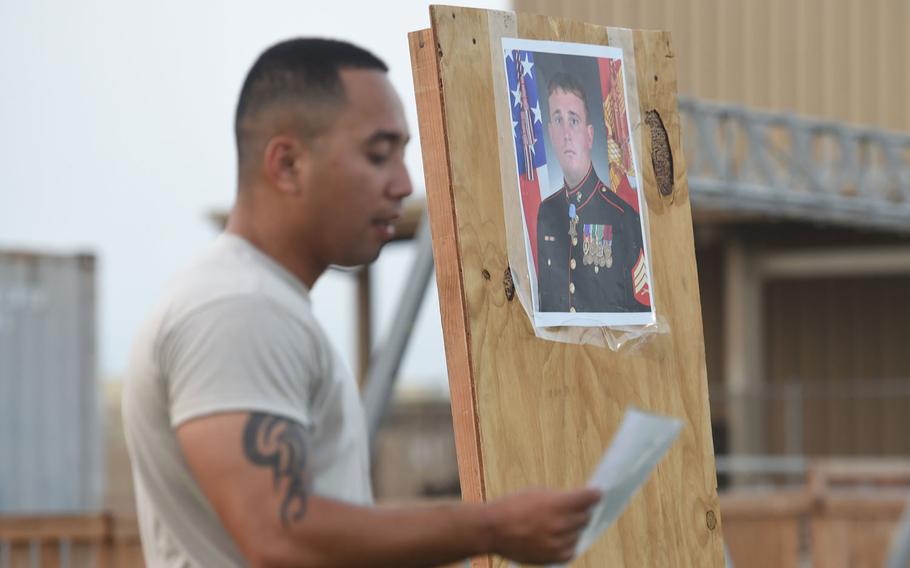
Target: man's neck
{"type": "Point", "coordinates": [575, 181]}
{"type": "Point", "coordinates": [271, 242]}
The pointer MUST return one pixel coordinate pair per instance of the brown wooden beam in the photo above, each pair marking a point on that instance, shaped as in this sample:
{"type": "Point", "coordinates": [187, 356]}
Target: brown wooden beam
{"type": "Point", "coordinates": [364, 324]}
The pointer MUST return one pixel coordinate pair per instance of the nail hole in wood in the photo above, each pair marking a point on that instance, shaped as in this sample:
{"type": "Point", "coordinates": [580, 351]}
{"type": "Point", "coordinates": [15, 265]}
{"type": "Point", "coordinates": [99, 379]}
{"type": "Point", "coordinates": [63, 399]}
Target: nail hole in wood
{"type": "Point", "coordinates": [474, 40]}
{"type": "Point", "coordinates": [661, 156]}
{"type": "Point", "coordinates": [485, 273]}
{"type": "Point", "coordinates": [508, 284]}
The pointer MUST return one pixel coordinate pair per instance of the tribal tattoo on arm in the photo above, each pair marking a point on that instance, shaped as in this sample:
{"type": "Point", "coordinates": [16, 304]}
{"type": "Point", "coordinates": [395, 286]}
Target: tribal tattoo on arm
{"type": "Point", "coordinates": [280, 444]}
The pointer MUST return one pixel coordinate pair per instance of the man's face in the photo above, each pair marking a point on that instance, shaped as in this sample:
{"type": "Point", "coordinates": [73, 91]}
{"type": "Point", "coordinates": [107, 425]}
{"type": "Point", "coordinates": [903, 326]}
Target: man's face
{"type": "Point", "coordinates": [570, 134]}
{"type": "Point", "coordinates": [358, 177]}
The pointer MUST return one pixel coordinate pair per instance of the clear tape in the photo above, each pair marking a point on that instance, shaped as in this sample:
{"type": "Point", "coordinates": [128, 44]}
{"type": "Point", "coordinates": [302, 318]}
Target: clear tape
{"type": "Point", "coordinates": [627, 338]}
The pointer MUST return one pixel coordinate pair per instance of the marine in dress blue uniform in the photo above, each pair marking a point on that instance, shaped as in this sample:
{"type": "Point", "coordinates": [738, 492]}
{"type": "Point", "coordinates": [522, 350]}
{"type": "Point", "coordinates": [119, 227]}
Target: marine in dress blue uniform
{"type": "Point", "coordinates": [589, 248]}
{"type": "Point", "coordinates": [589, 245]}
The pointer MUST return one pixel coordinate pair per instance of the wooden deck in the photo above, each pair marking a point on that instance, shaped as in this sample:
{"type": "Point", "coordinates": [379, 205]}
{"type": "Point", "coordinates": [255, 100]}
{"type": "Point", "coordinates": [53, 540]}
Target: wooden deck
{"type": "Point", "coordinates": [101, 541]}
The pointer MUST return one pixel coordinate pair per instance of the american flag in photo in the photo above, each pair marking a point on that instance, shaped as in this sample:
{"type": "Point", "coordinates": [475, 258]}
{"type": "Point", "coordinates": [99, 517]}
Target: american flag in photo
{"type": "Point", "coordinates": [527, 131]}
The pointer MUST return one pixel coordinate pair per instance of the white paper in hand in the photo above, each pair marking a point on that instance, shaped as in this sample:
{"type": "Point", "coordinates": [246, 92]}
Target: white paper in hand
{"type": "Point", "coordinates": [640, 443]}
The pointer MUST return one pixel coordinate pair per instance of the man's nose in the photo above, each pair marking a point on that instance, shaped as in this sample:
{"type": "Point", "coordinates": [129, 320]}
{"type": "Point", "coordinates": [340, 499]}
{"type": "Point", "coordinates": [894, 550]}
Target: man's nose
{"type": "Point", "coordinates": [401, 185]}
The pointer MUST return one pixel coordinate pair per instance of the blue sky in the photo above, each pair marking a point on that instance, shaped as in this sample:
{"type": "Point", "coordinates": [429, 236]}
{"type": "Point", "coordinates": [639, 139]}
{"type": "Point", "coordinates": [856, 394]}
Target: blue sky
{"type": "Point", "coordinates": [116, 138]}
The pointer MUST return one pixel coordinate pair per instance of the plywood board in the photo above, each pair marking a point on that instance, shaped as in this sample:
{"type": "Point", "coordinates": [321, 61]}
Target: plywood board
{"type": "Point", "coordinates": [531, 412]}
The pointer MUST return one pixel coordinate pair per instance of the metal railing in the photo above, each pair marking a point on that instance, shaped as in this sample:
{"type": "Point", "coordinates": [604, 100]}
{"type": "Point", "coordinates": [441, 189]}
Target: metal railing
{"type": "Point", "coordinates": [781, 164]}
{"type": "Point", "coordinates": [822, 417]}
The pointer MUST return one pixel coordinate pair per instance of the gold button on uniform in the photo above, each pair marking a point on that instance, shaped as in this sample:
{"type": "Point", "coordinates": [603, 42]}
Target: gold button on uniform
{"type": "Point", "coordinates": [572, 309]}
{"type": "Point", "coordinates": [574, 241]}
{"type": "Point", "coordinates": [571, 287]}
{"type": "Point", "coordinates": [572, 264]}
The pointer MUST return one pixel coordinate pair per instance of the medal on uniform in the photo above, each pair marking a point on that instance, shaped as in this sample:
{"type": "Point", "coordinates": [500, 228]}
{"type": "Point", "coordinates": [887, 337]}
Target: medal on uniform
{"type": "Point", "coordinates": [588, 257]}
{"type": "Point", "coordinates": [598, 246]}
{"type": "Point", "coordinates": [607, 240]}
{"type": "Point", "coordinates": [573, 222]}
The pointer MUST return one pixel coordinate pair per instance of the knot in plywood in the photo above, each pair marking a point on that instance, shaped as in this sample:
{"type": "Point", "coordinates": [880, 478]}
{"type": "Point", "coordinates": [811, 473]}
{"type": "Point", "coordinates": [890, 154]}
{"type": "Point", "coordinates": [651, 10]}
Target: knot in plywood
{"type": "Point", "coordinates": [661, 155]}
{"type": "Point", "coordinates": [508, 284]}
{"type": "Point", "coordinates": [711, 520]}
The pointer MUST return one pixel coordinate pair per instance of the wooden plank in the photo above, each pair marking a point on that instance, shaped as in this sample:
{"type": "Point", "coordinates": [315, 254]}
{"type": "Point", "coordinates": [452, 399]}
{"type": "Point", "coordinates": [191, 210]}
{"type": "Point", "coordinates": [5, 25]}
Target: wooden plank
{"type": "Point", "coordinates": [50, 554]}
{"type": "Point", "coordinates": [786, 503]}
{"type": "Point", "coordinates": [530, 412]}
{"type": "Point", "coordinates": [827, 474]}
{"type": "Point", "coordinates": [756, 542]}
{"type": "Point", "coordinates": [427, 87]}
{"type": "Point", "coordinates": [859, 505]}
{"type": "Point", "coordinates": [449, 284]}
{"type": "Point", "coordinates": [124, 548]}
{"type": "Point", "coordinates": [854, 531]}
{"type": "Point", "coordinates": [763, 529]}
{"type": "Point", "coordinates": [53, 528]}
{"type": "Point", "coordinates": [364, 324]}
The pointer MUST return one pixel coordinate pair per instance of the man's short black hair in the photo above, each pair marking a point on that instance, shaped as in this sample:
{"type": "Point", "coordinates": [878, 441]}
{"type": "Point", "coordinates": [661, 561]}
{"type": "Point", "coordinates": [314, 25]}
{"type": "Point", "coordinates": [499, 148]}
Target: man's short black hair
{"type": "Point", "coordinates": [569, 84]}
{"type": "Point", "coordinates": [302, 71]}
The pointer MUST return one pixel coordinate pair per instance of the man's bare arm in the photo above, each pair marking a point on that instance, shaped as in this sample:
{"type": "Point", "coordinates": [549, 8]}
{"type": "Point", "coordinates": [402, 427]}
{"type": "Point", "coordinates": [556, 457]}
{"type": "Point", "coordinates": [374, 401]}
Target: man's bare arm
{"type": "Point", "coordinates": [253, 468]}
{"type": "Point", "coordinates": [280, 446]}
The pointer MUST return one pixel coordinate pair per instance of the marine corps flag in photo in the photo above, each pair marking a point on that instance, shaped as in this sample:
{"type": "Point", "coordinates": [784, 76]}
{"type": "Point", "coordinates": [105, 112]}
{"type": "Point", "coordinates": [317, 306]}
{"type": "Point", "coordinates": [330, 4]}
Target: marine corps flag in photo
{"type": "Point", "coordinates": [619, 140]}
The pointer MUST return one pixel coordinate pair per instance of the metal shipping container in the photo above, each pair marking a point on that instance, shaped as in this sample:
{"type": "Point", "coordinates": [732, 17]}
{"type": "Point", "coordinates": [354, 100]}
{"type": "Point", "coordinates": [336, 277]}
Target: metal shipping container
{"type": "Point", "coordinates": [51, 455]}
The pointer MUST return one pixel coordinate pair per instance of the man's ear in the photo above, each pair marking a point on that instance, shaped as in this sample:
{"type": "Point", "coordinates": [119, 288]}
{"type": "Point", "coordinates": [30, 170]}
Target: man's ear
{"type": "Point", "coordinates": [590, 130]}
{"type": "Point", "coordinates": [283, 160]}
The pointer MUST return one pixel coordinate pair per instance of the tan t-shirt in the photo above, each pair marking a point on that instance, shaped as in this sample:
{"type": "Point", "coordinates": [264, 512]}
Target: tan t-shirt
{"type": "Point", "coordinates": [236, 332]}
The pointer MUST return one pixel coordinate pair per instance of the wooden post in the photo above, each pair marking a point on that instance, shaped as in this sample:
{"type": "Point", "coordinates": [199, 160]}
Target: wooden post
{"type": "Point", "coordinates": [530, 412]}
{"type": "Point", "coordinates": [364, 324]}
{"type": "Point", "coordinates": [745, 352]}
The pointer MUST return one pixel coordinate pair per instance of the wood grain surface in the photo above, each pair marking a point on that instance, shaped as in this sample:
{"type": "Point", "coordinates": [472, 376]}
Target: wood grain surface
{"type": "Point", "coordinates": [532, 412]}
{"type": "Point", "coordinates": [449, 282]}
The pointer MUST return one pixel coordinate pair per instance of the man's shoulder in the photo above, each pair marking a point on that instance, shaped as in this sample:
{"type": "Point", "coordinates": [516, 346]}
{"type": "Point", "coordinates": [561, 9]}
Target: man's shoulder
{"type": "Point", "coordinates": [608, 198]}
{"type": "Point", "coordinates": [553, 206]}
{"type": "Point", "coordinates": [223, 278]}
{"type": "Point", "coordinates": [556, 198]}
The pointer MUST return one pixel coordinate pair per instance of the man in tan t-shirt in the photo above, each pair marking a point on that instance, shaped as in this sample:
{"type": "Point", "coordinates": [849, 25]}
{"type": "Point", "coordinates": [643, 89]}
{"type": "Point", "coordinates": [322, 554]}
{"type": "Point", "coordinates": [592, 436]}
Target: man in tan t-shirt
{"type": "Point", "coordinates": [245, 430]}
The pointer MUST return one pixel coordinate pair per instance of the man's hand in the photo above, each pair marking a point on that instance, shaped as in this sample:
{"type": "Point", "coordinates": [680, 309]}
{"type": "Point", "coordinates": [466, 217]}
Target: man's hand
{"type": "Point", "coordinates": [540, 527]}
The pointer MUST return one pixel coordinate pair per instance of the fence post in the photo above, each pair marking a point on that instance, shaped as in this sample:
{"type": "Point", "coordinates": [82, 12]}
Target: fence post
{"type": "Point", "coordinates": [793, 417]}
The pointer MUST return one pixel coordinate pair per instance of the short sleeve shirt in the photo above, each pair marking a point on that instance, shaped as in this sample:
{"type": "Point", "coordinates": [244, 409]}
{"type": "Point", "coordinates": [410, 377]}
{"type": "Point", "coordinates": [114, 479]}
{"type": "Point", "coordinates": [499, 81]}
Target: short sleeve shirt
{"type": "Point", "coordinates": [236, 332]}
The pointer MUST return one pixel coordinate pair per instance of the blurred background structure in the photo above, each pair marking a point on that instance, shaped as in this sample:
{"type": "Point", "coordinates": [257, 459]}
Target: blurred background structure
{"type": "Point", "coordinates": [797, 137]}
{"type": "Point", "coordinates": [797, 146]}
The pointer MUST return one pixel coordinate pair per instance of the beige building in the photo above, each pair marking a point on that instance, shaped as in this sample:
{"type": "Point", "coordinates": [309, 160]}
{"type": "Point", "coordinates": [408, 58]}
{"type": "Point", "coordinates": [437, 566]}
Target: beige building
{"type": "Point", "coordinates": [792, 114]}
{"type": "Point", "coordinates": [843, 60]}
